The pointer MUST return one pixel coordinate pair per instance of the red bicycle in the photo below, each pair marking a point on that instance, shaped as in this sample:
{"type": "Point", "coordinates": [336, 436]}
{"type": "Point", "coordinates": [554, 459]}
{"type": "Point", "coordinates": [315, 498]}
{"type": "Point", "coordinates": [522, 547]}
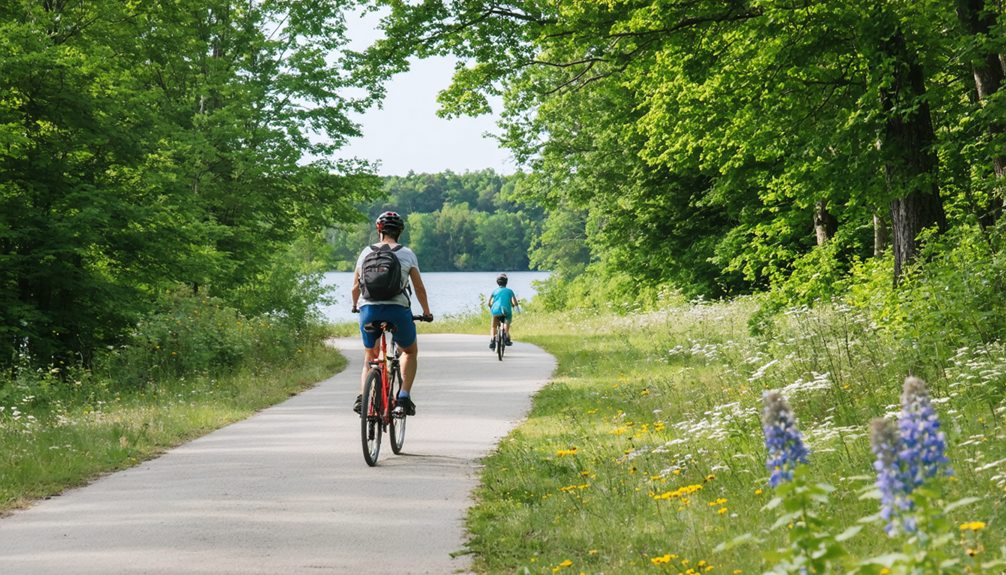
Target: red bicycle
{"type": "Point", "coordinates": [380, 396]}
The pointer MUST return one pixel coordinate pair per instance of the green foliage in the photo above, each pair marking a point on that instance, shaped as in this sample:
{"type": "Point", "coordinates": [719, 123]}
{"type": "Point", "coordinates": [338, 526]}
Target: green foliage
{"type": "Point", "coordinates": [663, 403]}
{"type": "Point", "coordinates": [456, 222]}
{"type": "Point", "coordinates": [56, 436]}
{"type": "Point", "coordinates": [193, 334]}
{"type": "Point", "coordinates": [704, 135]}
{"type": "Point", "coordinates": [147, 145]}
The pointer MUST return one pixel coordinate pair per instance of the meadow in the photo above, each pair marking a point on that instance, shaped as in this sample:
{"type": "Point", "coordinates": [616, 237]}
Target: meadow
{"type": "Point", "coordinates": [646, 453]}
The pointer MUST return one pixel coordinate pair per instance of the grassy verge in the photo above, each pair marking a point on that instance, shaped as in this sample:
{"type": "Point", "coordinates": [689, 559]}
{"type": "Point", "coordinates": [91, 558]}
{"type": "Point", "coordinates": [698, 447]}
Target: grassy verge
{"type": "Point", "coordinates": [646, 451]}
{"type": "Point", "coordinates": [83, 434]}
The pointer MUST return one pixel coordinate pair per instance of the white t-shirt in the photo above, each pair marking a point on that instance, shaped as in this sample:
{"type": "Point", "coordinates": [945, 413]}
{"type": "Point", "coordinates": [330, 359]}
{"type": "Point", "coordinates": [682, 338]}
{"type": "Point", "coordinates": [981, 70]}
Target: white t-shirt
{"type": "Point", "coordinates": [407, 258]}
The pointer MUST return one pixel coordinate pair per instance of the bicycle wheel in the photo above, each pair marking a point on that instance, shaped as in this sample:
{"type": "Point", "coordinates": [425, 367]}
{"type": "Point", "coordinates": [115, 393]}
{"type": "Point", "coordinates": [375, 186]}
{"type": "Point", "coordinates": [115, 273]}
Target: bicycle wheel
{"type": "Point", "coordinates": [397, 427]}
{"type": "Point", "coordinates": [500, 343]}
{"type": "Point", "coordinates": [370, 417]}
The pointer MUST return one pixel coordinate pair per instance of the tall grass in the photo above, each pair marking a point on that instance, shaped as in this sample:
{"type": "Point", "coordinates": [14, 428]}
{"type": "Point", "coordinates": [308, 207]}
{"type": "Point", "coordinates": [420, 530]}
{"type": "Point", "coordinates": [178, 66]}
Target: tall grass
{"type": "Point", "coordinates": [195, 367]}
{"type": "Point", "coordinates": [646, 451]}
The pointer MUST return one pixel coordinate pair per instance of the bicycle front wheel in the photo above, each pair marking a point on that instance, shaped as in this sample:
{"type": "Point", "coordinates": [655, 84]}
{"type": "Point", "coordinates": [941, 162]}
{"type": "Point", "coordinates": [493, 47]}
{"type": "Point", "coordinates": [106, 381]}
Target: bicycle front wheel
{"type": "Point", "coordinates": [397, 427]}
{"type": "Point", "coordinates": [500, 343]}
{"type": "Point", "coordinates": [370, 417]}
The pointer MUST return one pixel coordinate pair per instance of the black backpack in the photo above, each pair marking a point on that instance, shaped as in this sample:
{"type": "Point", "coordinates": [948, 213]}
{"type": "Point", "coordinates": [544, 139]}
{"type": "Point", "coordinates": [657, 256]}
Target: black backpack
{"type": "Point", "coordinates": [381, 274]}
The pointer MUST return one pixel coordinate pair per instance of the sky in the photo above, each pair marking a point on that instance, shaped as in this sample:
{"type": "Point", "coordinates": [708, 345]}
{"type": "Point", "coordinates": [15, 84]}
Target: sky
{"type": "Point", "coordinates": [406, 134]}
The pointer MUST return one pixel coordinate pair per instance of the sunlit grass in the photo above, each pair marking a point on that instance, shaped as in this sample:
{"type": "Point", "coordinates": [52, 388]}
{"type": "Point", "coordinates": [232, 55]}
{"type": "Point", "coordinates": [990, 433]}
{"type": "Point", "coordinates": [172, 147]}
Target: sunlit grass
{"type": "Point", "coordinates": [646, 450]}
{"type": "Point", "coordinates": [73, 440]}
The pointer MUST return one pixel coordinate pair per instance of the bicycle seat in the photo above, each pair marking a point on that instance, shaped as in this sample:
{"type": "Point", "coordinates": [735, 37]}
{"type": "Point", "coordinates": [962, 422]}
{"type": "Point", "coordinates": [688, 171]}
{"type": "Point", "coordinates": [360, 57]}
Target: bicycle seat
{"type": "Point", "coordinates": [379, 326]}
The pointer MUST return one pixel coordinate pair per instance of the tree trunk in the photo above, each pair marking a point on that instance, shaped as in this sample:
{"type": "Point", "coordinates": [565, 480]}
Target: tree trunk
{"type": "Point", "coordinates": [910, 165]}
{"type": "Point", "coordinates": [880, 235]}
{"type": "Point", "coordinates": [978, 19]}
{"type": "Point", "coordinates": [825, 224]}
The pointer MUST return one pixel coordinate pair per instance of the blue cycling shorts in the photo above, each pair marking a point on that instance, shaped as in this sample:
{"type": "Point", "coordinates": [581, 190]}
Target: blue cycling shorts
{"type": "Point", "coordinates": [397, 315]}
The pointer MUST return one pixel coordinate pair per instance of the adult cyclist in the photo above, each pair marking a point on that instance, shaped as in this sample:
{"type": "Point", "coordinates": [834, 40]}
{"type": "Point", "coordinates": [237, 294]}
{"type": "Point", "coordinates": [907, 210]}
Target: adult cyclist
{"type": "Point", "coordinates": [395, 310]}
{"type": "Point", "coordinates": [501, 304]}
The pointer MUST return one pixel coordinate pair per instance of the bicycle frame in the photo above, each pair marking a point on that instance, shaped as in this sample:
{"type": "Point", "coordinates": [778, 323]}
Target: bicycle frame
{"type": "Point", "coordinates": [380, 398]}
{"type": "Point", "coordinates": [386, 366]}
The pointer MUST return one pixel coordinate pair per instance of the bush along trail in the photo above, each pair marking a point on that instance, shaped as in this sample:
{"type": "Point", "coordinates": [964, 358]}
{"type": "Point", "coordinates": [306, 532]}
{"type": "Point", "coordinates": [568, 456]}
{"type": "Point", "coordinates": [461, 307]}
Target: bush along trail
{"type": "Point", "coordinates": [676, 442]}
{"type": "Point", "coordinates": [194, 368]}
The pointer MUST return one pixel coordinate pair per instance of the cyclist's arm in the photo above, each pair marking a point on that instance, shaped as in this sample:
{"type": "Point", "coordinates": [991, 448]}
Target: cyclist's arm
{"type": "Point", "coordinates": [420, 289]}
{"type": "Point", "coordinates": [356, 287]}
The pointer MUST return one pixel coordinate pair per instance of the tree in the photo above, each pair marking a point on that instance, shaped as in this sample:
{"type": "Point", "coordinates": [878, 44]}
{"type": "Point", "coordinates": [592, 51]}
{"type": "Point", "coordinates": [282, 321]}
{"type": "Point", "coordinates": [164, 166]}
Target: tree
{"type": "Point", "coordinates": [150, 144]}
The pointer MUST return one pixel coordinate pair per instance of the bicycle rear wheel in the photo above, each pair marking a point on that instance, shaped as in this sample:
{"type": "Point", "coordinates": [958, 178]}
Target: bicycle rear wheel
{"type": "Point", "coordinates": [397, 427]}
{"type": "Point", "coordinates": [370, 417]}
{"type": "Point", "coordinates": [500, 343]}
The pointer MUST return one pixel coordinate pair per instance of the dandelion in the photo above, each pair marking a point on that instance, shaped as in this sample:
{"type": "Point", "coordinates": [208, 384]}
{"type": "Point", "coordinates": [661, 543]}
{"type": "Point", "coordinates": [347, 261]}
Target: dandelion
{"type": "Point", "coordinates": [666, 558]}
{"type": "Point", "coordinates": [973, 526]}
{"type": "Point", "coordinates": [782, 439]}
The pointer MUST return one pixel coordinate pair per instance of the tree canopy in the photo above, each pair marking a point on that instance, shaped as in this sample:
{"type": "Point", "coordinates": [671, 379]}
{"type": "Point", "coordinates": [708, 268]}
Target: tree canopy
{"type": "Point", "coordinates": [147, 145]}
{"type": "Point", "coordinates": [728, 141]}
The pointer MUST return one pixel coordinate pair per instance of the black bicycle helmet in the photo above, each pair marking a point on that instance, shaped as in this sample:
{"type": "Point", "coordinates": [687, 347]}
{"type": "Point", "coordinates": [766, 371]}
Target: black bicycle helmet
{"type": "Point", "coordinates": [501, 280]}
{"type": "Point", "coordinates": [390, 223]}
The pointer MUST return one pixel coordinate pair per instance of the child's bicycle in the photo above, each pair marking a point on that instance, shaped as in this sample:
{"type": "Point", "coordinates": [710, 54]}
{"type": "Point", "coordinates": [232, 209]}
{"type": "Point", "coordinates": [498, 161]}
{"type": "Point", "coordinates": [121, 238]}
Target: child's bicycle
{"type": "Point", "coordinates": [501, 336]}
{"type": "Point", "coordinates": [380, 396]}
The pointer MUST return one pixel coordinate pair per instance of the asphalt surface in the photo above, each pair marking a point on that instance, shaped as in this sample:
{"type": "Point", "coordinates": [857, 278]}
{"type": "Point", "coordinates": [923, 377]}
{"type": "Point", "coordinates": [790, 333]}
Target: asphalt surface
{"type": "Point", "coordinates": [287, 490]}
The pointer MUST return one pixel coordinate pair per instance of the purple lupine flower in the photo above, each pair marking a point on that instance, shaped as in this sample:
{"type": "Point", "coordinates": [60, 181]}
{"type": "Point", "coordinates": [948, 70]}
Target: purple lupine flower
{"type": "Point", "coordinates": [782, 439]}
{"type": "Point", "coordinates": [923, 445]}
{"type": "Point", "coordinates": [908, 454]}
{"type": "Point", "coordinates": [894, 499]}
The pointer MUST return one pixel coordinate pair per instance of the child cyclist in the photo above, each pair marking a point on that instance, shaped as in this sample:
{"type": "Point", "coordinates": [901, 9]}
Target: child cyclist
{"type": "Point", "coordinates": [501, 304]}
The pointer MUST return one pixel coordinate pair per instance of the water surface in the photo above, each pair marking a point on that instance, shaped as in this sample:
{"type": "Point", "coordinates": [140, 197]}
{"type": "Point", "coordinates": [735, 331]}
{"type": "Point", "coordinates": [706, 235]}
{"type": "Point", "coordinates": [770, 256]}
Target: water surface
{"type": "Point", "coordinates": [450, 293]}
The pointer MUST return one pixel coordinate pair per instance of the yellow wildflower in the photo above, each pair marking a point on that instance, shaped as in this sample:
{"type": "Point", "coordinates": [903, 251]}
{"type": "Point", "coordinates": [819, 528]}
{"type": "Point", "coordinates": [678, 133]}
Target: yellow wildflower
{"type": "Point", "coordinates": [563, 565]}
{"type": "Point", "coordinates": [662, 559]}
{"type": "Point", "coordinates": [565, 452]}
{"type": "Point", "coordinates": [973, 526]}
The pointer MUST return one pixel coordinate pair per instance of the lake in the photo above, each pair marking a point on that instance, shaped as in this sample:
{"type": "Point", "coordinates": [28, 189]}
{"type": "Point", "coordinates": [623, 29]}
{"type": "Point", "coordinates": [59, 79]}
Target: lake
{"type": "Point", "coordinates": [450, 293]}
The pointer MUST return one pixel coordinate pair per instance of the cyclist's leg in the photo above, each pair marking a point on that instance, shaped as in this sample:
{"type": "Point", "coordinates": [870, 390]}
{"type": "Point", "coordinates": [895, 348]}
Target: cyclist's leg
{"type": "Point", "coordinates": [508, 322]}
{"type": "Point", "coordinates": [492, 331]}
{"type": "Point", "coordinates": [405, 337]}
{"type": "Point", "coordinates": [368, 313]}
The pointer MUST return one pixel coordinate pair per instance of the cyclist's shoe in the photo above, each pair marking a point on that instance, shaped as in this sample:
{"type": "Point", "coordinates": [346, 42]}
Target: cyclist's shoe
{"type": "Point", "coordinates": [358, 404]}
{"type": "Point", "coordinates": [492, 344]}
{"type": "Point", "coordinates": [508, 342]}
{"type": "Point", "coordinates": [405, 406]}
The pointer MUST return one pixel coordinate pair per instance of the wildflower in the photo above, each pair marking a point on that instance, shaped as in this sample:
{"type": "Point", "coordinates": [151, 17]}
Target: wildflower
{"type": "Point", "coordinates": [560, 566]}
{"type": "Point", "coordinates": [782, 439]}
{"type": "Point", "coordinates": [907, 455]}
{"type": "Point", "coordinates": [973, 526]}
{"type": "Point", "coordinates": [923, 445]}
{"type": "Point", "coordinates": [893, 492]}
{"type": "Point", "coordinates": [565, 452]}
{"type": "Point", "coordinates": [666, 558]}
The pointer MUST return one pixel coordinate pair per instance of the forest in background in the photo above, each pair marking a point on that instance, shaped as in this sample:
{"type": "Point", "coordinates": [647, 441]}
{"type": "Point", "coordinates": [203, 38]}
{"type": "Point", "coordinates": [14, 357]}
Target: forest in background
{"type": "Point", "coordinates": [454, 222]}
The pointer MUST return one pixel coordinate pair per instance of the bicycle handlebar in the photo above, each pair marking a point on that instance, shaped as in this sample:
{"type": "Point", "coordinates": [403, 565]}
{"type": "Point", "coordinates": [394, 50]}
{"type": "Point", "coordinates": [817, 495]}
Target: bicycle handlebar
{"type": "Point", "coordinates": [428, 318]}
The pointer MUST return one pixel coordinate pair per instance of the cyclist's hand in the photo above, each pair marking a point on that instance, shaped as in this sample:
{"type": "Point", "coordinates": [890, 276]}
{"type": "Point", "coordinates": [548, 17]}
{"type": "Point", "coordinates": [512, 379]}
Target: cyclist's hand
{"type": "Point", "coordinates": [355, 309]}
{"type": "Point", "coordinates": [427, 317]}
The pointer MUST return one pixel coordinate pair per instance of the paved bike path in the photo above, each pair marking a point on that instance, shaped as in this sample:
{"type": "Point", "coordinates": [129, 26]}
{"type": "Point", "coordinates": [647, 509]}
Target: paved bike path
{"type": "Point", "coordinates": [287, 490]}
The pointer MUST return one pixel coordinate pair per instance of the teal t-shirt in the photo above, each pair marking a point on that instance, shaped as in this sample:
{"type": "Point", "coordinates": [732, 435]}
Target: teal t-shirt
{"type": "Point", "coordinates": [502, 301]}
